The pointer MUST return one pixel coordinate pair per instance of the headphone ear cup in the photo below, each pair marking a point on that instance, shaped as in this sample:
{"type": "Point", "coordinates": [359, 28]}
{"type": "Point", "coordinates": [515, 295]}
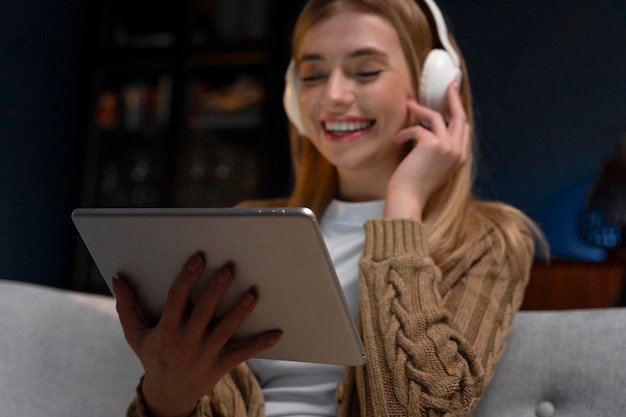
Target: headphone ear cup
{"type": "Point", "coordinates": [290, 97]}
{"type": "Point", "coordinates": [438, 71]}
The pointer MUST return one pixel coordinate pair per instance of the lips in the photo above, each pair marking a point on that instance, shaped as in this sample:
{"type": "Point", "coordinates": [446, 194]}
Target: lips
{"type": "Point", "coordinates": [343, 130]}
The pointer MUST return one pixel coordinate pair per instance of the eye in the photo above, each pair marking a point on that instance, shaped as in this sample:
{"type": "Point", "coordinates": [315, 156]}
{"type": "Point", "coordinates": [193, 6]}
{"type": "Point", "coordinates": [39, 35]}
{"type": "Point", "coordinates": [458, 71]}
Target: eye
{"type": "Point", "coordinates": [312, 77]}
{"type": "Point", "coordinates": [368, 74]}
{"type": "Point", "coordinates": [311, 72]}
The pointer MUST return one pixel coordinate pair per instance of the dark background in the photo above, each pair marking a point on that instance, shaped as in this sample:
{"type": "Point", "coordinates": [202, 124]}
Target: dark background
{"type": "Point", "coordinates": [549, 91]}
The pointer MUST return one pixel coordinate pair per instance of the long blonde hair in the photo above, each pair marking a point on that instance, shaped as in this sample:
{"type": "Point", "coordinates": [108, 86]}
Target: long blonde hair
{"type": "Point", "coordinates": [453, 217]}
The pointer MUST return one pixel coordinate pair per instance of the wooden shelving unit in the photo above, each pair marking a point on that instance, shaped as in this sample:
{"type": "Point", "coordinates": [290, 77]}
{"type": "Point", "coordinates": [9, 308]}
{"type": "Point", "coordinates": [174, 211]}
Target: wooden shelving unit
{"type": "Point", "coordinates": [564, 285]}
{"type": "Point", "coordinates": [185, 107]}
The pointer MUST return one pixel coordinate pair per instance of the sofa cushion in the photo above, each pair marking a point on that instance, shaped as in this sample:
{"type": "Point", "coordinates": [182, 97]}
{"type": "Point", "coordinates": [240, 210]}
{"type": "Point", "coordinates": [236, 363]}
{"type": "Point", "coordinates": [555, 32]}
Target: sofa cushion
{"type": "Point", "coordinates": [62, 354]}
{"type": "Point", "coordinates": [561, 363]}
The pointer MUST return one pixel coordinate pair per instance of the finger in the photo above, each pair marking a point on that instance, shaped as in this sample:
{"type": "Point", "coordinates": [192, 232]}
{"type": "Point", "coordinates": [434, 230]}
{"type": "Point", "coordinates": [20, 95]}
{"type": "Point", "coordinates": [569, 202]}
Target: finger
{"type": "Point", "coordinates": [455, 102]}
{"type": "Point", "coordinates": [206, 304]}
{"type": "Point", "coordinates": [415, 129]}
{"type": "Point", "coordinates": [429, 120]}
{"type": "Point", "coordinates": [413, 133]}
{"type": "Point", "coordinates": [467, 134]}
{"type": "Point", "coordinates": [459, 126]}
{"type": "Point", "coordinates": [241, 351]}
{"type": "Point", "coordinates": [132, 324]}
{"type": "Point", "coordinates": [180, 291]}
{"type": "Point", "coordinates": [458, 117]}
{"type": "Point", "coordinates": [226, 327]}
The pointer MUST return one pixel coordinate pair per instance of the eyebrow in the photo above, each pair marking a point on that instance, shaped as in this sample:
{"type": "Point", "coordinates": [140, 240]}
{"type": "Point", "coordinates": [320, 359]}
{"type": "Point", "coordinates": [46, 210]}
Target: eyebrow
{"type": "Point", "coordinates": [361, 52]}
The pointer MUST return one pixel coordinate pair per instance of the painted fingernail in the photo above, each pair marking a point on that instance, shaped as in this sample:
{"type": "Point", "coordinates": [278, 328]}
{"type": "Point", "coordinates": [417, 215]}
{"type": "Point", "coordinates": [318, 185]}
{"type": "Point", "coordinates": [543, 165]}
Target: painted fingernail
{"type": "Point", "coordinates": [224, 276]}
{"type": "Point", "coordinates": [247, 300]}
{"type": "Point", "coordinates": [194, 263]}
{"type": "Point", "coordinates": [273, 337]}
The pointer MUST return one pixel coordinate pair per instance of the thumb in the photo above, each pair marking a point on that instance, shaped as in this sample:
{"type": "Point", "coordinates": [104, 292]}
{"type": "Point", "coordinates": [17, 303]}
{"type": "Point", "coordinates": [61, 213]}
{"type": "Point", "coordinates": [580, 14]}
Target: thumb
{"type": "Point", "coordinates": [411, 134]}
{"type": "Point", "coordinates": [413, 128]}
{"type": "Point", "coordinates": [132, 324]}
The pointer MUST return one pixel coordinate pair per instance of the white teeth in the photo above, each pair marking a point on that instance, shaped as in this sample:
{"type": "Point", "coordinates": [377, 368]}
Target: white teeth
{"type": "Point", "coordinates": [345, 127]}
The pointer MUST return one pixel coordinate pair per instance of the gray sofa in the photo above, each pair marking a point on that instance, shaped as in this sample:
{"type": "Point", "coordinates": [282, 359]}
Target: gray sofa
{"type": "Point", "coordinates": [63, 354]}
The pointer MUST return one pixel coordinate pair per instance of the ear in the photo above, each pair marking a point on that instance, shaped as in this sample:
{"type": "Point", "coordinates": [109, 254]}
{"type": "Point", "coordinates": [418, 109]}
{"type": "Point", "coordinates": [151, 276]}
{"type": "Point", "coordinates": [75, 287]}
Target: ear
{"type": "Point", "coordinates": [411, 119]}
{"type": "Point", "coordinates": [438, 72]}
{"type": "Point", "coordinates": [290, 97]}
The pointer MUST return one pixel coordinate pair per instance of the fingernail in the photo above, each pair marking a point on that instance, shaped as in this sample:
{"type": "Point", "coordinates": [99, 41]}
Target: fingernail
{"type": "Point", "coordinates": [273, 337]}
{"type": "Point", "coordinates": [455, 84]}
{"type": "Point", "coordinates": [224, 276]}
{"type": "Point", "coordinates": [247, 300]}
{"type": "Point", "coordinates": [194, 263]}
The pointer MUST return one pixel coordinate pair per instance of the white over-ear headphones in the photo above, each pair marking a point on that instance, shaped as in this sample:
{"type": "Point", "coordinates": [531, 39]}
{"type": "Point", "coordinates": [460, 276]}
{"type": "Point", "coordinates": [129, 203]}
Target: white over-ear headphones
{"type": "Point", "coordinates": [440, 68]}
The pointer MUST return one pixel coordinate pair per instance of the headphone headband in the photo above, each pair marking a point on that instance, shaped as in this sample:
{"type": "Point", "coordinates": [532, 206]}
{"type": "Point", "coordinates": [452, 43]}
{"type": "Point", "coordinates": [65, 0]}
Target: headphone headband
{"type": "Point", "coordinates": [442, 31]}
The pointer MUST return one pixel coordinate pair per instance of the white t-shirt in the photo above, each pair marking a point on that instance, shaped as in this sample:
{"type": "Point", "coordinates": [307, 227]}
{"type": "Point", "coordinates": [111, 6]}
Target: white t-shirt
{"type": "Point", "coordinates": [308, 389]}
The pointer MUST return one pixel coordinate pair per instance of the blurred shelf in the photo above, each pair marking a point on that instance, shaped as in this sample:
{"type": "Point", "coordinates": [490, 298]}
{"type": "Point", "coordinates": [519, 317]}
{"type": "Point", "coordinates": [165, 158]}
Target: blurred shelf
{"type": "Point", "coordinates": [178, 110]}
{"type": "Point", "coordinates": [565, 285]}
{"type": "Point", "coordinates": [216, 121]}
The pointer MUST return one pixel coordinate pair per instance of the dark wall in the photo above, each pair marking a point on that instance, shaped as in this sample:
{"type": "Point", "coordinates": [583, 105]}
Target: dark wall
{"type": "Point", "coordinates": [550, 96]}
{"type": "Point", "coordinates": [42, 45]}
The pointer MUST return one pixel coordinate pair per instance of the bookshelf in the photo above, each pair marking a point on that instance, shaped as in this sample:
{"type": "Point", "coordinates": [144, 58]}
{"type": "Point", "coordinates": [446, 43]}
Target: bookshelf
{"type": "Point", "coordinates": [185, 108]}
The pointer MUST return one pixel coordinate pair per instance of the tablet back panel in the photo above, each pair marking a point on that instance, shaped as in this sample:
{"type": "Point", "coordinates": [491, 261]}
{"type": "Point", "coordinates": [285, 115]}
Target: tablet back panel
{"type": "Point", "coordinates": [280, 252]}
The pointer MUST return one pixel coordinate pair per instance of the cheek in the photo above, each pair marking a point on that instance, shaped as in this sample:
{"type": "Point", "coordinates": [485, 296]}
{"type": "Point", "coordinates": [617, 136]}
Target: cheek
{"type": "Point", "coordinates": [390, 93]}
{"type": "Point", "coordinates": [394, 109]}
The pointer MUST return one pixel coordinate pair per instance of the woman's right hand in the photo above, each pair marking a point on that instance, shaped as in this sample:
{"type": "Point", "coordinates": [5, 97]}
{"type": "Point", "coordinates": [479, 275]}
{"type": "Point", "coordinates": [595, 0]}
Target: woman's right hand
{"type": "Point", "coordinates": [439, 151]}
{"type": "Point", "coordinates": [183, 356]}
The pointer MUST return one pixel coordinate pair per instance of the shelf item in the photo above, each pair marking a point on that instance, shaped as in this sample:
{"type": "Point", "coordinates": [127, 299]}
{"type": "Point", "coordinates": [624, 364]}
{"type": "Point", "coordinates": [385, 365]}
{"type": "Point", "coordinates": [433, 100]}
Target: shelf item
{"type": "Point", "coordinates": [234, 106]}
{"type": "Point", "coordinates": [136, 105]}
{"type": "Point", "coordinates": [219, 172]}
{"type": "Point", "coordinates": [603, 220]}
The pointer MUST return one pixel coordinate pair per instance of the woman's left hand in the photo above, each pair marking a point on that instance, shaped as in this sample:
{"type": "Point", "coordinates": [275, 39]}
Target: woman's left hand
{"type": "Point", "coordinates": [439, 151]}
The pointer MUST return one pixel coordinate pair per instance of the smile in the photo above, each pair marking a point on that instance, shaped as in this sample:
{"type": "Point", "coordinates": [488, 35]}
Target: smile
{"type": "Point", "coordinates": [346, 127]}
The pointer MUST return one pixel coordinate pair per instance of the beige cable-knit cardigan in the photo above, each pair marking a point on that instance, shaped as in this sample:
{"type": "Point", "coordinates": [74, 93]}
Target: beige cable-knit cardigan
{"type": "Point", "coordinates": [433, 339]}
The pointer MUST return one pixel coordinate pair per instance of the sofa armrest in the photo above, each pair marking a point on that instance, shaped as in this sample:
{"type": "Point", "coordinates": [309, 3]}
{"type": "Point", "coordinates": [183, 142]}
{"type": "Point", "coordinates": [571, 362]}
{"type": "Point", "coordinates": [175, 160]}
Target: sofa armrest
{"type": "Point", "coordinates": [62, 354]}
{"type": "Point", "coordinates": [565, 363]}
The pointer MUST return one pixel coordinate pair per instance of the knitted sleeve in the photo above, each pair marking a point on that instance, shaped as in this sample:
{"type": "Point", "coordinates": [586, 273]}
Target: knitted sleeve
{"type": "Point", "coordinates": [237, 394]}
{"type": "Point", "coordinates": [430, 352]}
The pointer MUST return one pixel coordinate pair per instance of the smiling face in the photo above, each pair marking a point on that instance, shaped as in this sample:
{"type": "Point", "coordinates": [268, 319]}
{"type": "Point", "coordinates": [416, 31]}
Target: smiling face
{"type": "Point", "coordinates": [353, 93]}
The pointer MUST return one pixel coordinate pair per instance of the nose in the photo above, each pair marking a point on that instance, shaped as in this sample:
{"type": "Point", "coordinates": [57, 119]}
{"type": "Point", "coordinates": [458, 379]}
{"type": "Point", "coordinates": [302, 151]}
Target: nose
{"type": "Point", "coordinates": [338, 92]}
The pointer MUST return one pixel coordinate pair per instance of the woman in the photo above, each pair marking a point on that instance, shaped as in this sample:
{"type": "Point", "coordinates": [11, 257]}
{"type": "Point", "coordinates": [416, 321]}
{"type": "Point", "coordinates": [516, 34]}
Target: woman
{"type": "Point", "coordinates": [434, 277]}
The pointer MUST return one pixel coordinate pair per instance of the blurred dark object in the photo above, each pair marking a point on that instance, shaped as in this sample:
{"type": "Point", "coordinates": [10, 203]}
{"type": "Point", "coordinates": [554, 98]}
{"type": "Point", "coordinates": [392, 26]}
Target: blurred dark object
{"type": "Point", "coordinates": [603, 220]}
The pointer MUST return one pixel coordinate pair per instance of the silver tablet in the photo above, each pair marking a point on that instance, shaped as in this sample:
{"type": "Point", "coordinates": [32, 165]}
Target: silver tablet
{"type": "Point", "coordinates": [280, 252]}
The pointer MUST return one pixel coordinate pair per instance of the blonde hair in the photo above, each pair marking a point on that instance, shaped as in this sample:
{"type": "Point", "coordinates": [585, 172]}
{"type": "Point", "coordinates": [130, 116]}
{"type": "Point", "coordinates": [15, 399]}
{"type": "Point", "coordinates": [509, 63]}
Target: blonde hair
{"type": "Point", "coordinates": [453, 217]}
